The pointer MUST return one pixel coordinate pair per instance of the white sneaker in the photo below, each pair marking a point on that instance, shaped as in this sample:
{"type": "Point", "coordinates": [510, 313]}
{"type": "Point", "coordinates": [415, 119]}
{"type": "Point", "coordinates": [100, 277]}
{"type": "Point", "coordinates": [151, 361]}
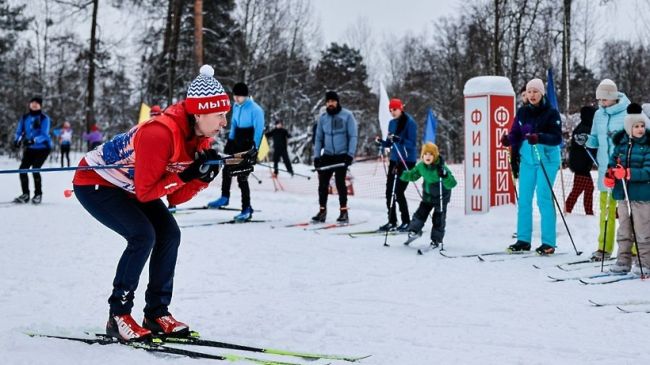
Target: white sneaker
{"type": "Point", "coordinates": [636, 271]}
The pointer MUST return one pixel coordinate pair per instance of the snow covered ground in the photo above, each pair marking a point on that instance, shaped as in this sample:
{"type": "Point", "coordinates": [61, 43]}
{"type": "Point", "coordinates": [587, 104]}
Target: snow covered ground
{"type": "Point", "coordinates": [263, 284]}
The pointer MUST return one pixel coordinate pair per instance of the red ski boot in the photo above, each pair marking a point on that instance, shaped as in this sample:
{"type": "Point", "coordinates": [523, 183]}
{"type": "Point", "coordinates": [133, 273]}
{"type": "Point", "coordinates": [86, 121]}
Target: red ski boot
{"type": "Point", "coordinates": [124, 327]}
{"type": "Point", "coordinates": [166, 325]}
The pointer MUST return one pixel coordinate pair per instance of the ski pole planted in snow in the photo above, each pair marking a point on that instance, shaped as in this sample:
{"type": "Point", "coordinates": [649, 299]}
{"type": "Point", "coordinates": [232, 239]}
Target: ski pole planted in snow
{"type": "Point", "coordinates": [559, 208]}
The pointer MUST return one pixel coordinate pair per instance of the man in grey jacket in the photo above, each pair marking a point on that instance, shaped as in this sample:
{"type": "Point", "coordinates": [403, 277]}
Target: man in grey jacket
{"type": "Point", "coordinates": [335, 145]}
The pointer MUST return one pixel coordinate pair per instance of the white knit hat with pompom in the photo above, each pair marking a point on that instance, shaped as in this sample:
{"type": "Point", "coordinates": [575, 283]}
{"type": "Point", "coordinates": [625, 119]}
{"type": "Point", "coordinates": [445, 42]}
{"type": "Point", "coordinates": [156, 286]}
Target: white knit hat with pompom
{"type": "Point", "coordinates": [206, 95]}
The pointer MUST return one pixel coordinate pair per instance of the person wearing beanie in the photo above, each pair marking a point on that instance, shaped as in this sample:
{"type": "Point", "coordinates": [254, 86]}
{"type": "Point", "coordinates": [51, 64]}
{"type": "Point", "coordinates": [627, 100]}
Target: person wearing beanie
{"type": "Point", "coordinates": [629, 164]}
{"type": "Point", "coordinates": [436, 193]}
{"type": "Point", "coordinates": [609, 118]}
{"type": "Point", "coordinates": [94, 138]}
{"type": "Point", "coordinates": [246, 131]}
{"type": "Point", "coordinates": [581, 163]}
{"type": "Point", "coordinates": [155, 110]}
{"type": "Point", "coordinates": [535, 137]}
{"type": "Point", "coordinates": [65, 141]}
{"type": "Point", "coordinates": [33, 133]}
{"type": "Point", "coordinates": [401, 139]}
{"type": "Point", "coordinates": [164, 156]}
{"type": "Point", "coordinates": [280, 137]}
{"type": "Point", "coordinates": [334, 148]}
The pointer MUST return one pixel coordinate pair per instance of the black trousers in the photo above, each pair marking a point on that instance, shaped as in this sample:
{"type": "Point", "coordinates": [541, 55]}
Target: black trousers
{"type": "Point", "coordinates": [395, 169]}
{"type": "Point", "coordinates": [65, 152]}
{"type": "Point", "coordinates": [438, 218]}
{"type": "Point", "coordinates": [324, 177]}
{"type": "Point", "coordinates": [277, 154]}
{"type": "Point", "coordinates": [33, 158]}
{"type": "Point", "coordinates": [242, 180]}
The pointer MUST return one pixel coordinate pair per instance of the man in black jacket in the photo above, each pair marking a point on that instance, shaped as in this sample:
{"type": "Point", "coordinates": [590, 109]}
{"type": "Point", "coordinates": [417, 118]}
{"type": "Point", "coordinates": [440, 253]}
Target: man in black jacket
{"type": "Point", "coordinates": [280, 138]}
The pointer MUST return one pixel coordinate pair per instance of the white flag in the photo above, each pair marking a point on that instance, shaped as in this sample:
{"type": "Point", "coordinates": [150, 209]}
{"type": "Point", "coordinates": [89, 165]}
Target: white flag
{"type": "Point", "coordinates": [384, 114]}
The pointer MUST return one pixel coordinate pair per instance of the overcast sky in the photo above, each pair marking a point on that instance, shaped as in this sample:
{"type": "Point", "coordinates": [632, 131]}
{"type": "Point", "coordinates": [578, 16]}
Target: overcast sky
{"type": "Point", "coordinates": [623, 18]}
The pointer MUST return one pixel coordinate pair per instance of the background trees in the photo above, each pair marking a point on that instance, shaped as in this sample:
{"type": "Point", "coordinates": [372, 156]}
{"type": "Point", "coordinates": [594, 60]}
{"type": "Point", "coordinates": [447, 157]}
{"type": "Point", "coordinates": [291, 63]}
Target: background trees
{"type": "Point", "coordinates": [95, 75]}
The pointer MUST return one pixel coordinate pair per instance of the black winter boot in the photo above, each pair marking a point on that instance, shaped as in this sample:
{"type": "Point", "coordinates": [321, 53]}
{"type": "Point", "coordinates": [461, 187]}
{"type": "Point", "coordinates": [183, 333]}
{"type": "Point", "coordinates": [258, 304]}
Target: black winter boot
{"type": "Point", "coordinates": [343, 216]}
{"type": "Point", "coordinates": [519, 246]}
{"type": "Point", "coordinates": [320, 217]}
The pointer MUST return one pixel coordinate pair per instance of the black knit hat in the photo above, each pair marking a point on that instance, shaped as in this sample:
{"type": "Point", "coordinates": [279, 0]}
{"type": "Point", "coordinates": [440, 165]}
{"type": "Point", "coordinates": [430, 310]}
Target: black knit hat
{"type": "Point", "coordinates": [37, 99]}
{"type": "Point", "coordinates": [331, 95]}
{"type": "Point", "coordinates": [240, 89]}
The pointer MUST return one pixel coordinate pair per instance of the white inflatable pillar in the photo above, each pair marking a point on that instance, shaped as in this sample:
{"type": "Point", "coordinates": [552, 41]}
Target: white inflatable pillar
{"type": "Point", "coordinates": [489, 113]}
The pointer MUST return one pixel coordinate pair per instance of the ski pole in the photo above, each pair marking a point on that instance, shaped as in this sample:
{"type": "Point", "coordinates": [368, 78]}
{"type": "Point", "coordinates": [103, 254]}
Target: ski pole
{"type": "Point", "coordinates": [399, 154]}
{"type": "Point", "coordinates": [442, 247]}
{"type": "Point", "coordinates": [256, 178]}
{"type": "Point", "coordinates": [225, 160]}
{"type": "Point", "coordinates": [550, 186]}
{"type": "Point", "coordinates": [329, 167]}
{"type": "Point", "coordinates": [392, 206]}
{"type": "Point", "coordinates": [629, 210]}
{"type": "Point", "coordinates": [295, 173]}
{"type": "Point", "coordinates": [602, 258]}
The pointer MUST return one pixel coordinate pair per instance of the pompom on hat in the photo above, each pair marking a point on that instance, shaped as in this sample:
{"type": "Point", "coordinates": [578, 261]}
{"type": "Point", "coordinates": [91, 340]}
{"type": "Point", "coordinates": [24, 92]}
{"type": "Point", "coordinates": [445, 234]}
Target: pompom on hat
{"type": "Point", "coordinates": [634, 115]}
{"type": "Point", "coordinates": [206, 95]}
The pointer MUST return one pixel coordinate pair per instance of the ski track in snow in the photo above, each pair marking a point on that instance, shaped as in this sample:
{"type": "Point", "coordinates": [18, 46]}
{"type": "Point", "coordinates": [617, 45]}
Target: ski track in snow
{"type": "Point", "coordinates": [295, 289]}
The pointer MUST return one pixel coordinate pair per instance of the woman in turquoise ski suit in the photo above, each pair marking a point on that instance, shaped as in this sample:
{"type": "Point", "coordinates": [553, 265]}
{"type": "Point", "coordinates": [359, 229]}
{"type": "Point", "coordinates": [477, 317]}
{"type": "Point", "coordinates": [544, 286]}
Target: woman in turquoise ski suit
{"type": "Point", "coordinates": [537, 133]}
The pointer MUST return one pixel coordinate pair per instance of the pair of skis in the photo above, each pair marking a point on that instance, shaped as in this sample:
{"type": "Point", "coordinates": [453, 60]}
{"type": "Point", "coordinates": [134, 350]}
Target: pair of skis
{"type": "Point", "coordinates": [598, 278]}
{"type": "Point", "coordinates": [231, 221]}
{"type": "Point", "coordinates": [625, 306]}
{"type": "Point", "coordinates": [160, 345]}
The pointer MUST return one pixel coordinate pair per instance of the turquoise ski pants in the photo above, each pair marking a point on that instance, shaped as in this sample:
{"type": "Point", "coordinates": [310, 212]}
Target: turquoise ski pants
{"type": "Point", "coordinates": [531, 180]}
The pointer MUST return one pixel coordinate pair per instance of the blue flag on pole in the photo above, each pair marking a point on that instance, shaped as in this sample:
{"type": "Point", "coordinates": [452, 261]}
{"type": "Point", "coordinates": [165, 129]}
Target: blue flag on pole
{"type": "Point", "coordinates": [430, 128]}
{"type": "Point", "coordinates": [550, 90]}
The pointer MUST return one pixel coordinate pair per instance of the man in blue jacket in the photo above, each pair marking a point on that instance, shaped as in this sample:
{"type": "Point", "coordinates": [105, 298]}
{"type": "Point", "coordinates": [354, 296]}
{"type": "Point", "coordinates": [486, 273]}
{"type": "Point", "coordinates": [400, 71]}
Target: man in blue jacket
{"type": "Point", "coordinates": [401, 139]}
{"type": "Point", "coordinates": [246, 132]}
{"type": "Point", "coordinates": [33, 134]}
{"type": "Point", "coordinates": [336, 143]}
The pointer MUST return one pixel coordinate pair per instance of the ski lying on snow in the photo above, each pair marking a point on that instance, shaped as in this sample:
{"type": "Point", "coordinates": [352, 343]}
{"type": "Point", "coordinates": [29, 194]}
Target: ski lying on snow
{"type": "Point", "coordinates": [428, 248]}
{"type": "Point", "coordinates": [232, 221]}
{"type": "Point", "coordinates": [516, 255]}
{"type": "Point", "coordinates": [334, 225]}
{"type": "Point", "coordinates": [633, 310]}
{"type": "Point", "coordinates": [608, 279]}
{"type": "Point", "coordinates": [444, 254]}
{"type": "Point", "coordinates": [371, 233]}
{"type": "Point", "coordinates": [586, 277]}
{"type": "Point", "coordinates": [581, 265]}
{"type": "Point", "coordinates": [619, 303]}
{"type": "Point", "coordinates": [158, 347]}
{"type": "Point", "coordinates": [196, 341]}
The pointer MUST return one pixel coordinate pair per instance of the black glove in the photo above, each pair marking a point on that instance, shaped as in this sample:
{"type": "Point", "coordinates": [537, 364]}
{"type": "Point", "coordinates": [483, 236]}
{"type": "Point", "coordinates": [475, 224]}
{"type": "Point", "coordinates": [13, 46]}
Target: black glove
{"type": "Point", "coordinates": [241, 169]}
{"type": "Point", "coordinates": [317, 162]}
{"type": "Point", "coordinates": [197, 169]}
{"type": "Point", "coordinates": [378, 141]}
{"type": "Point", "coordinates": [395, 139]}
{"type": "Point", "coordinates": [214, 169]}
{"type": "Point", "coordinates": [442, 172]}
{"type": "Point", "coordinates": [17, 144]}
{"type": "Point", "coordinates": [29, 142]}
{"type": "Point", "coordinates": [514, 165]}
{"type": "Point", "coordinates": [348, 160]}
{"type": "Point", "coordinates": [250, 157]}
